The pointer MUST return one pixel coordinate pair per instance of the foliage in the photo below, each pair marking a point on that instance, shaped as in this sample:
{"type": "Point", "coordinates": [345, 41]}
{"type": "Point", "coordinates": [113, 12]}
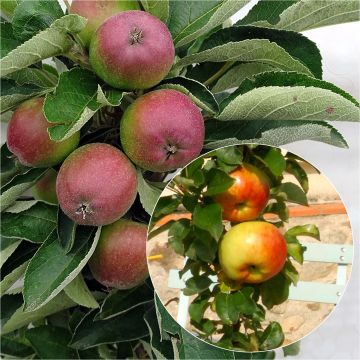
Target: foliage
{"type": "Point", "coordinates": [45, 281]}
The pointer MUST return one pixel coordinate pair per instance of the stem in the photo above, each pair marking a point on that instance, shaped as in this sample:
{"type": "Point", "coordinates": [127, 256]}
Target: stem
{"type": "Point", "coordinates": [78, 55]}
{"type": "Point", "coordinates": [220, 72]}
{"type": "Point", "coordinates": [67, 4]}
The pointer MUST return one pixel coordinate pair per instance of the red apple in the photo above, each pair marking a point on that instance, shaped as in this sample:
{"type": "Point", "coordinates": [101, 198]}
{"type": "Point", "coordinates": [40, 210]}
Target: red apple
{"type": "Point", "coordinates": [162, 130]}
{"type": "Point", "coordinates": [45, 188]}
{"type": "Point", "coordinates": [132, 50]}
{"type": "Point", "coordinates": [247, 197]}
{"type": "Point", "coordinates": [119, 259]}
{"type": "Point", "coordinates": [96, 185]}
{"type": "Point", "coordinates": [28, 139]}
{"type": "Point", "coordinates": [97, 11]}
{"type": "Point", "coordinates": [252, 252]}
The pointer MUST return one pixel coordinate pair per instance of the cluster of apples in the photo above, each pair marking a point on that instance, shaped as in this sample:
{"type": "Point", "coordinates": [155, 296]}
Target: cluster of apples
{"type": "Point", "coordinates": [160, 131]}
{"type": "Point", "coordinates": [251, 251]}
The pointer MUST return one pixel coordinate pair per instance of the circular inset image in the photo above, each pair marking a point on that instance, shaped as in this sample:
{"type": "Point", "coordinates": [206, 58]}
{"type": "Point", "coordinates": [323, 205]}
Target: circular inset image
{"type": "Point", "coordinates": [249, 247]}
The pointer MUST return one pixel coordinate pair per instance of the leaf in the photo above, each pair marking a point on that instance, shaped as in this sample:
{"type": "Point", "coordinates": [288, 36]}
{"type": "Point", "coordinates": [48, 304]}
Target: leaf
{"type": "Point", "coordinates": [296, 45]}
{"type": "Point", "coordinates": [50, 42]}
{"type": "Point", "coordinates": [166, 205]}
{"type": "Point", "coordinates": [10, 279]}
{"type": "Point", "coordinates": [292, 193]}
{"type": "Point", "coordinates": [198, 92]}
{"type": "Point", "coordinates": [110, 97]}
{"type": "Point", "coordinates": [178, 232]}
{"type": "Point", "coordinates": [305, 15]}
{"type": "Point", "coordinates": [290, 103]}
{"type": "Point", "coordinates": [122, 328]}
{"type": "Point", "coordinates": [34, 224]}
{"type": "Point", "coordinates": [198, 306]}
{"type": "Point", "coordinates": [272, 337]}
{"type": "Point", "coordinates": [12, 94]}
{"type": "Point", "coordinates": [218, 182]}
{"type": "Point", "coordinates": [274, 291]}
{"type": "Point", "coordinates": [197, 284]}
{"type": "Point", "coordinates": [15, 346]}
{"type": "Point", "coordinates": [166, 322]}
{"type": "Point", "coordinates": [290, 272]}
{"type": "Point", "coordinates": [149, 194]}
{"type": "Point", "coordinates": [204, 246]}
{"type": "Point", "coordinates": [8, 251]}
{"type": "Point", "coordinates": [238, 73]}
{"type": "Point", "coordinates": [66, 230]}
{"type": "Point", "coordinates": [304, 230]}
{"type": "Point", "coordinates": [292, 349]}
{"type": "Point", "coordinates": [231, 155]}
{"type": "Point", "coordinates": [8, 6]}
{"type": "Point", "coordinates": [51, 268]}
{"type": "Point", "coordinates": [275, 161]}
{"type": "Point", "coordinates": [294, 168]}
{"type": "Point", "coordinates": [253, 50]}
{"type": "Point", "coordinates": [30, 17]}
{"type": "Point", "coordinates": [9, 304]}
{"type": "Point", "coordinates": [222, 13]}
{"type": "Point", "coordinates": [20, 183]}
{"type": "Point", "coordinates": [8, 40]}
{"type": "Point", "coordinates": [158, 8]}
{"type": "Point", "coordinates": [295, 249]}
{"type": "Point", "coordinates": [209, 218]}
{"type": "Point", "coordinates": [38, 77]}
{"type": "Point", "coordinates": [119, 302]}
{"type": "Point", "coordinates": [51, 342]}
{"type": "Point", "coordinates": [20, 318]}
{"type": "Point", "coordinates": [78, 291]}
{"type": "Point", "coordinates": [269, 132]}
{"type": "Point", "coordinates": [72, 104]}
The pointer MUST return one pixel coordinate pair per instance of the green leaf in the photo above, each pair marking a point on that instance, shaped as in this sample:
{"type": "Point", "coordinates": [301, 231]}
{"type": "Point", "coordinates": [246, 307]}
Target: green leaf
{"type": "Point", "coordinates": [20, 318]}
{"type": "Point", "coordinates": [178, 232]}
{"type": "Point", "coordinates": [198, 306]}
{"type": "Point", "coordinates": [272, 337]}
{"type": "Point", "coordinates": [304, 230]}
{"type": "Point", "coordinates": [231, 155]}
{"type": "Point", "coordinates": [149, 194]}
{"type": "Point", "coordinates": [9, 304]}
{"type": "Point", "coordinates": [34, 224]}
{"type": "Point", "coordinates": [8, 251]}
{"type": "Point", "coordinates": [305, 15]}
{"type": "Point", "coordinates": [238, 73]}
{"type": "Point", "coordinates": [205, 24]}
{"type": "Point", "coordinates": [19, 184]}
{"type": "Point", "coordinates": [122, 328]}
{"type": "Point", "coordinates": [294, 168]}
{"type": "Point", "coordinates": [275, 290]}
{"type": "Point", "coordinates": [292, 349]}
{"type": "Point", "coordinates": [8, 40]}
{"type": "Point", "coordinates": [51, 268]}
{"type": "Point", "coordinates": [8, 6]}
{"type": "Point", "coordinates": [66, 230]}
{"type": "Point", "coordinates": [197, 284]}
{"type": "Point", "coordinates": [290, 272]}
{"type": "Point", "coordinates": [204, 245]}
{"type": "Point", "coordinates": [30, 17]}
{"type": "Point", "coordinates": [78, 291]}
{"type": "Point", "coordinates": [262, 11]}
{"type": "Point", "coordinates": [111, 97]}
{"type": "Point", "coordinates": [275, 161]}
{"type": "Point", "coordinates": [166, 205]}
{"type": "Point", "coordinates": [51, 342]}
{"type": "Point", "coordinates": [15, 346]}
{"type": "Point", "coordinates": [10, 279]}
{"type": "Point", "coordinates": [38, 77]}
{"type": "Point", "coordinates": [209, 218]}
{"type": "Point", "coordinates": [119, 302]}
{"type": "Point", "coordinates": [269, 132]}
{"type": "Point", "coordinates": [295, 249]}
{"type": "Point", "coordinates": [50, 42]}
{"type": "Point", "coordinates": [253, 50]}
{"type": "Point", "coordinates": [291, 193]}
{"type": "Point", "coordinates": [158, 8]}
{"type": "Point", "coordinates": [290, 103]}
{"type": "Point", "coordinates": [296, 45]}
{"type": "Point", "coordinates": [218, 181]}
{"type": "Point", "coordinates": [198, 92]}
{"type": "Point", "coordinates": [12, 94]}
{"type": "Point", "coordinates": [72, 104]}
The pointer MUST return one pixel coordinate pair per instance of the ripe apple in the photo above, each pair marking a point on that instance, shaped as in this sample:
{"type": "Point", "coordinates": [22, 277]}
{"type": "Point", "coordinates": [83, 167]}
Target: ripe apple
{"type": "Point", "coordinates": [45, 188]}
{"type": "Point", "coordinates": [119, 259]}
{"type": "Point", "coordinates": [96, 184]}
{"type": "Point", "coordinates": [162, 130]}
{"type": "Point", "coordinates": [132, 50]}
{"type": "Point", "coordinates": [252, 252]}
{"type": "Point", "coordinates": [97, 11]}
{"type": "Point", "coordinates": [28, 139]}
{"type": "Point", "coordinates": [247, 197]}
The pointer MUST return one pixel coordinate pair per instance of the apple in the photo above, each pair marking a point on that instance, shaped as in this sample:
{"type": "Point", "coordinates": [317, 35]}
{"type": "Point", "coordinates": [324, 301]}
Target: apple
{"type": "Point", "coordinates": [96, 12]}
{"type": "Point", "coordinates": [45, 188]}
{"type": "Point", "coordinates": [119, 259]}
{"type": "Point", "coordinates": [132, 50]}
{"type": "Point", "coordinates": [162, 130]}
{"type": "Point", "coordinates": [96, 184]}
{"type": "Point", "coordinates": [28, 138]}
{"type": "Point", "coordinates": [252, 252]}
{"type": "Point", "coordinates": [247, 197]}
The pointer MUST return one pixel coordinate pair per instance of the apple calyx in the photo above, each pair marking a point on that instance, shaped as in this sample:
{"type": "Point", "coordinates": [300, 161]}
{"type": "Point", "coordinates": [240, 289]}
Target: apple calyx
{"type": "Point", "coordinates": [136, 36]}
{"type": "Point", "coordinates": [84, 209]}
{"type": "Point", "coordinates": [170, 150]}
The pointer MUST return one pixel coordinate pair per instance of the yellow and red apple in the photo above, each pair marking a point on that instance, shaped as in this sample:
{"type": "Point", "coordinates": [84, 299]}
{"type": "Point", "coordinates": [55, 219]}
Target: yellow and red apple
{"type": "Point", "coordinates": [252, 252]}
{"type": "Point", "coordinates": [247, 197]}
